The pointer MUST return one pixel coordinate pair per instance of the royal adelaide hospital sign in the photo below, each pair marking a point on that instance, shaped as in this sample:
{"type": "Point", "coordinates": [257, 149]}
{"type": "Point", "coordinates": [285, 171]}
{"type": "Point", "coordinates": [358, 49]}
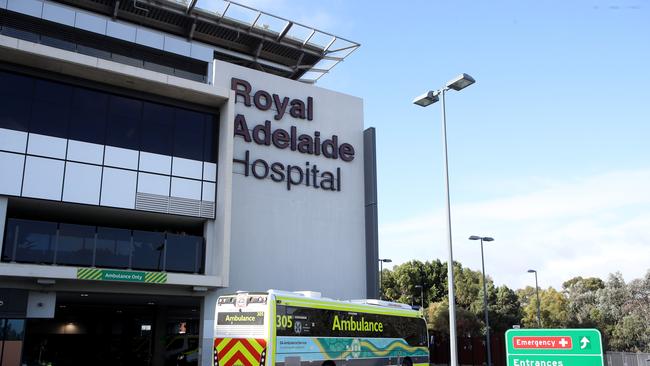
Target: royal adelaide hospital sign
{"type": "Point", "coordinates": [313, 144]}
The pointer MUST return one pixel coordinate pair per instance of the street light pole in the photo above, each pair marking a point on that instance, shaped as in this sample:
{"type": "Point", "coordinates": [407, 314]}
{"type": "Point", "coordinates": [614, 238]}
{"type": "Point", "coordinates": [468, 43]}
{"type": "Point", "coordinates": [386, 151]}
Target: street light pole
{"type": "Point", "coordinates": [381, 269]}
{"type": "Point", "coordinates": [539, 317]}
{"type": "Point", "coordinates": [460, 82]}
{"type": "Point", "coordinates": [485, 300]}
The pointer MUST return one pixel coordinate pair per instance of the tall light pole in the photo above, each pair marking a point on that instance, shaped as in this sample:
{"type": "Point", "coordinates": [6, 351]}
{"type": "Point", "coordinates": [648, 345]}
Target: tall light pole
{"type": "Point", "coordinates": [485, 300]}
{"type": "Point", "coordinates": [539, 318]}
{"type": "Point", "coordinates": [381, 269]}
{"type": "Point", "coordinates": [460, 82]}
{"type": "Point", "coordinates": [421, 296]}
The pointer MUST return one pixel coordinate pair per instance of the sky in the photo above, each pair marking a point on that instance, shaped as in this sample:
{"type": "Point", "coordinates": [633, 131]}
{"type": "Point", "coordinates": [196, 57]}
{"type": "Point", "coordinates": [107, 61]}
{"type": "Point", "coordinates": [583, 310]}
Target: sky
{"type": "Point", "coordinates": [549, 151]}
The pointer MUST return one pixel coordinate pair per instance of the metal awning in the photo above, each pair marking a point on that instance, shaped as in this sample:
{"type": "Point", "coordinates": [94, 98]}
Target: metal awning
{"type": "Point", "coordinates": [240, 34]}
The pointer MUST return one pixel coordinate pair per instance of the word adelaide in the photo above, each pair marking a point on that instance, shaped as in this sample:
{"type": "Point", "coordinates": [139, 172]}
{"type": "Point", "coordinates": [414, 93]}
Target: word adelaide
{"type": "Point", "coordinates": [264, 134]}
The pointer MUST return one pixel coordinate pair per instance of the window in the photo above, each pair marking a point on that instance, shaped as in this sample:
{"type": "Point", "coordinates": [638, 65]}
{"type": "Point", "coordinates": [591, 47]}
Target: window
{"type": "Point", "coordinates": [183, 253]}
{"type": "Point", "coordinates": [9, 240]}
{"type": "Point", "coordinates": [412, 330]}
{"type": "Point", "coordinates": [85, 245]}
{"type": "Point", "coordinates": [124, 117]}
{"type": "Point", "coordinates": [88, 119]}
{"type": "Point", "coordinates": [12, 329]}
{"type": "Point", "coordinates": [157, 128]}
{"type": "Point", "coordinates": [15, 101]}
{"type": "Point", "coordinates": [189, 127]}
{"type": "Point", "coordinates": [211, 136]}
{"type": "Point", "coordinates": [75, 245]}
{"type": "Point", "coordinates": [35, 241]}
{"type": "Point", "coordinates": [148, 250]}
{"type": "Point", "coordinates": [61, 110]}
{"type": "Point", "coordinates": [51, 108]}
{"type": "Point", "coordinates": [113, 247]}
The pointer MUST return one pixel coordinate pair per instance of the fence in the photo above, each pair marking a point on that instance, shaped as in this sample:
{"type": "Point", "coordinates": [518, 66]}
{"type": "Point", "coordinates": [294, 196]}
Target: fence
{"type": "Point", "coordinates": [627, 359]}
{"type": "Point", "coordinates": [471, 352]}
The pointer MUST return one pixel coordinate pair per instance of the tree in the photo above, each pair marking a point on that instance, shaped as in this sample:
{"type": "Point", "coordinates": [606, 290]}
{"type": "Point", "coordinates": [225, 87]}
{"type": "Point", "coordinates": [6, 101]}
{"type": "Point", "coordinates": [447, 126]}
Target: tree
{"type": "Point", "coordinates": [582, 306]}
{"type": "Point", "coordinates": [388, 285]}
{"type": "Point", "coordinates": [399, 284]}
{"type": "Point", "coordinates": [632, 330]}
{"type": "Point", "coordinates": [506, 311]}
{"type": "Point", "coordinates": [610, 301]}
{"type": "Point", "coordinates": [466, 323]}
{"type": "Point", "coordinates": [553, 309]}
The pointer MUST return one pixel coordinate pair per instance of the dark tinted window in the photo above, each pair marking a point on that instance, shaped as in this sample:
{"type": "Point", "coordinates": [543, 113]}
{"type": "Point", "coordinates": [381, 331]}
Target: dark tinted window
{"type": "Point", "coordinates": [157, 128]}
{"type": "Point", "coordinates": [148, 250]}
{"type": "Point", "coordinates": [113, 247]}
{"type": "Point", "coordinates": [88, 119]}
{"type": "Point", "coordinates": [183, 253]}
{"type": "Point", "coordinates": [124, 117]}
{"type": "Point", "coordinates": [13, 329]}
{"type": "Point", "coordinates": [35, 241]}
{"type": "Point", "coordinates": [333, 323]}
{"type": "Point", "coordinates": [211, 137]}
{"type": "Point", "coordinates": [58, 43]}
{"type": "Point", "coordinates": [9, 240]}
{"type": "Point", "coordinates": [61, 110]}
{"type": "Point", "coordinates": [189, 127]}
{"type": "Point", "coordinates": [15, 101]}
{"type": "Point", "coordinates": [19, 33]}
{"type": "Point", "coordinates": [51, 108]}
{"type": "Point", "coordinates": [75, 245]}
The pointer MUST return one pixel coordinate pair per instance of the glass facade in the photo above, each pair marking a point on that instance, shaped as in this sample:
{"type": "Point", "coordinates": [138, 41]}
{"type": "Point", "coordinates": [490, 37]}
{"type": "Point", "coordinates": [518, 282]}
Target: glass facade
{"type": "Point", "coordinates": [113, 248]}
{"type": "Point", "coordinates": [148, 250]}
{"type": "Point", "coordinates": [100, 46]}
{"type": "Point", "coordinates": [33, 241]}
{"type": "Point", "coordinates": [41, 242]}
{"type": "Point", "coordinates": [62, 110]}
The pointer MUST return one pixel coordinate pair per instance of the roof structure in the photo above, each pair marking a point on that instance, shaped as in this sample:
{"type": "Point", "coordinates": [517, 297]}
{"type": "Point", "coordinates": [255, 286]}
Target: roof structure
{"type": "Point", "coordinates": [240, 34]}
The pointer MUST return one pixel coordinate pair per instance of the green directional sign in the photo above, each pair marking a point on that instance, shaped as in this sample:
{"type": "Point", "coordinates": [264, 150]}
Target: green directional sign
{"type": "Point", "coordinates": [554, 347]}
{"type": "Point", "coordinates": [119, 275]}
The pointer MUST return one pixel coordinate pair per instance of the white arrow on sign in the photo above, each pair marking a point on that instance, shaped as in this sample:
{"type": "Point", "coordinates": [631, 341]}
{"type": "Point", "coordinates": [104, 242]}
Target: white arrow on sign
{"type": "Point", "coordinates": [584, 342]}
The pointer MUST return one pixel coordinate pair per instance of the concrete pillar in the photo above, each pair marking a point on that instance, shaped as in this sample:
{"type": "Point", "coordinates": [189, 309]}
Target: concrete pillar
{"type": "Point", "coordinates": [158, 336]}
{"type": "Point", "coordinates": [206, 331]}
{"type": "Point", "coordinates": [4, 202]}
{"type": "Point", "coordinates": [372, 227]}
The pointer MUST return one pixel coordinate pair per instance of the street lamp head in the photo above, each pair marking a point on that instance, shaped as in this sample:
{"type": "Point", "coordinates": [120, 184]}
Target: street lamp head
{"type": "Point", "coordinates": [532, 271]}
{"type": "Point", "coordinates": [386, 260]}
{"type": "Point", "coordinates": [461, 82]}
{"type": "Point", "coordinates": [418, 286]}
{"type": "Point", "coordinates": [484, 238]}
{"type": "Point", "coordinates": [427, 98]}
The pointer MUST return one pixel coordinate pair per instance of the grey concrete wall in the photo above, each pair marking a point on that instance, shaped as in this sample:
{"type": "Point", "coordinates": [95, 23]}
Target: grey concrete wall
{"type": "Point", "coordinates": [297, 238]}
{"type": "Point", "coordinates": [372, 227]}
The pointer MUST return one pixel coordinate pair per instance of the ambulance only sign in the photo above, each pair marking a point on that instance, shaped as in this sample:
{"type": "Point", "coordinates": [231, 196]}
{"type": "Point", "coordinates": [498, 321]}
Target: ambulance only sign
{"type": "Point", "coordinates": [554, 347]}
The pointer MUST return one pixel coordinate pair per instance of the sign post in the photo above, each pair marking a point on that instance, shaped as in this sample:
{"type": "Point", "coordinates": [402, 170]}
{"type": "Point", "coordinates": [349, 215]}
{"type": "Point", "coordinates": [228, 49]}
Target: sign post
{"type": "Point", "coordinates": [554, 347]}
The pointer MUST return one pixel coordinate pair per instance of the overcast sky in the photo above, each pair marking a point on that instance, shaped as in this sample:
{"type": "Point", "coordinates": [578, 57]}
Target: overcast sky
{"type": "Point", "coordinates": [549, 151]}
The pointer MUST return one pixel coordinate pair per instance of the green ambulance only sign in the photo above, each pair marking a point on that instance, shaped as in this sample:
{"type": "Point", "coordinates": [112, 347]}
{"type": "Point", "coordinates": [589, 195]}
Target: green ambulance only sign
{"type": "Point", "coordinates": [554, 347]}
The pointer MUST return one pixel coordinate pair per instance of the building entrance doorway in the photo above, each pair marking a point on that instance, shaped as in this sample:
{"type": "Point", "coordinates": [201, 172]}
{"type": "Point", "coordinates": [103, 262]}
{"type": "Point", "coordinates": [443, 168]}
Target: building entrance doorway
{"type": "Point", "coordinates": [113, 329]}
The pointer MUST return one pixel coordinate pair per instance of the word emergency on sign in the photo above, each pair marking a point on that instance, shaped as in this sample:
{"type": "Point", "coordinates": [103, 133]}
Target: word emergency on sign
{"type": "Point", "coordinates": [542, 342]}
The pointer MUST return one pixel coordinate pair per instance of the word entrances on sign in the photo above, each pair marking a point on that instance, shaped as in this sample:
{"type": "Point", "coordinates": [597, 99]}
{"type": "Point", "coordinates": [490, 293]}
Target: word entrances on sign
{"type": "Point", "coordinates": [264, 134]}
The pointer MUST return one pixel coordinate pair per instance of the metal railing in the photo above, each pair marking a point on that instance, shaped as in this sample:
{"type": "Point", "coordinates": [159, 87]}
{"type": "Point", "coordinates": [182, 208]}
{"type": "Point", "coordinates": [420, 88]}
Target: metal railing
{"type": "Point", "coordinates": [627, 359]}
